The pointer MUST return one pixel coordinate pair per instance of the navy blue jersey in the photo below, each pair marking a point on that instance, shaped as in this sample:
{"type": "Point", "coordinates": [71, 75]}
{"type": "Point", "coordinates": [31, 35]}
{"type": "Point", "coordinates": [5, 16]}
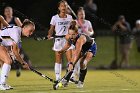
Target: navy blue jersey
{"type": "Point", "coordinates": [12, 21]}
{"type": "Point", "coordinates": [89, 45]}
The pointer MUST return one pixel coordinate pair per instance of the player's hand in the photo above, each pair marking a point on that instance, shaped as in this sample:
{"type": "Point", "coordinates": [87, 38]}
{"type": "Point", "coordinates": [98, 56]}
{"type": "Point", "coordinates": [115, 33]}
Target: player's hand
{"type": "Point", "coordinates": [25, 65]}
{"type": "Point", "coordinates": [49, 37]}
{"type": "Point", "coordinates": [61, 51]}
{"type": "Point", "coordinates": [70, 68]}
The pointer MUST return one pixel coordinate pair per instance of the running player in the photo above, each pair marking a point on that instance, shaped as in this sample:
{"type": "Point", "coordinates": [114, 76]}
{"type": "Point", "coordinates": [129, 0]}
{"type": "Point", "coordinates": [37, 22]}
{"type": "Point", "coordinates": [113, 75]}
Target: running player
{"type": "Point", "coordinates": [60, 24]}
{"type": "Point", "coordinates": [84, 26]}
{"type": "Point", "coordinates": [85, 50]}
{"type": "Point", "coordinates": [15, 21]}
{"type": "Point", "coordinates": [10, 37]}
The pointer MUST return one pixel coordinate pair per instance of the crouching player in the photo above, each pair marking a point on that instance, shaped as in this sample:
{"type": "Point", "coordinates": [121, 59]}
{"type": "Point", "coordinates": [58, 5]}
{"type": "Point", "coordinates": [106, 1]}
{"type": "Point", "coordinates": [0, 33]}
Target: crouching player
{"type": "Point", "coordinates": [9, 39]}
{"type": "Point", "coordinates": [85, 50]}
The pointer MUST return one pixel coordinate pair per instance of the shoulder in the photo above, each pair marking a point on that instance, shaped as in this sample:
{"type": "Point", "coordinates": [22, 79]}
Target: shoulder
{"type": "Point", "coordinates": [82, 38]}
{"type": "Point", "coordinates": [55, 16]}
{"type": "Point", "coordinates": [69, 16]}
{"type": "Point", "coordinates": [17, 29]}
{"type": "Point", "coordinates": [87, 21]}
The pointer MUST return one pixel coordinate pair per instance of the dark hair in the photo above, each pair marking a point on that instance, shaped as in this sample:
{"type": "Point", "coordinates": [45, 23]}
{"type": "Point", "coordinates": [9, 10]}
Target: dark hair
{"type": "Point", "coordinates": [80, 9]}
{"type": "Point", "coordinates": [73, 26]}
{"type": "Point", "coordinates": [27, 22]}
{"type": "Point", "coordinates": [62, 1]}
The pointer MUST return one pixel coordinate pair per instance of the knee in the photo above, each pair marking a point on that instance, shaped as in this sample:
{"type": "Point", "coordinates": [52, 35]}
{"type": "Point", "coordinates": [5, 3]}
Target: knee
{"type": "Point", "coordinates": [8, 61]}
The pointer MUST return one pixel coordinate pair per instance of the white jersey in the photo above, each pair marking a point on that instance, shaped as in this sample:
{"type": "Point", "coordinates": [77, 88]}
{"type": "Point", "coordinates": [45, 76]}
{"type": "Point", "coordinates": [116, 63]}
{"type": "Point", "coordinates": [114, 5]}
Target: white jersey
{"type": "Point", "coordinates": [14, 32]}
{"type": "Point", "coordinates": [86, 26]}
{"type": "Point", "coordinates": [61, 24]}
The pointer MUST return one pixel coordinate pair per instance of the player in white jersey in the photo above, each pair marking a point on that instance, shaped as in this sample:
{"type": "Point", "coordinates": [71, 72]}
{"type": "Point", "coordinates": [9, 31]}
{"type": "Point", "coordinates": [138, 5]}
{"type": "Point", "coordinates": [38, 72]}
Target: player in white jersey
{"type": "Point", "coordinates": [84, 26]}
{"type": "Point", "coordinates": [3, 22]}
{"type": "Point", "coordinates": [10, 37]}
{"type": "Point", "coordinates": [60, 24]}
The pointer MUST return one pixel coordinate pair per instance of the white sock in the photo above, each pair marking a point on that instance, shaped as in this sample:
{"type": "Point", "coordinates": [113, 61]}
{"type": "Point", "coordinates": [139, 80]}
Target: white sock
{"type": "Point", "coordinates": [4, 73]}
{"type": "Point", "coordinates": [0, 74]}
{"type": "Point", "coordinates": [58, 68]}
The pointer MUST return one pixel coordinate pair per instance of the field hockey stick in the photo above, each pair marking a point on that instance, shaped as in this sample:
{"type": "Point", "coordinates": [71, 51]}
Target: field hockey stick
{"type": "Point", "coordinates": [56, 85]}
{"type": "Point", "coordinates": [42, 38]}
{"type": "Point", "coordinates": [42, 75]}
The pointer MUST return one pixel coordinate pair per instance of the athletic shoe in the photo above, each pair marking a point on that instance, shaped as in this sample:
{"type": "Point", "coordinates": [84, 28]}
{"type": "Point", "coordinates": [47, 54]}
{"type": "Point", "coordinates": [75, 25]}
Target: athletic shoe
{"type": "Point", "coordinates": [8, 86]}
{"type": "Point", "coordinates": [80, 84]}
{"type": "Point", "coordinates": [4, 87]}
{"type": "Point", "coordinates": [73, 81]}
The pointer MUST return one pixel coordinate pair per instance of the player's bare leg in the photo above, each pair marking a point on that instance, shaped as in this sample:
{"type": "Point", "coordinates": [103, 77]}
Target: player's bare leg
{"type": "Point", "coordinates": [6, 61]}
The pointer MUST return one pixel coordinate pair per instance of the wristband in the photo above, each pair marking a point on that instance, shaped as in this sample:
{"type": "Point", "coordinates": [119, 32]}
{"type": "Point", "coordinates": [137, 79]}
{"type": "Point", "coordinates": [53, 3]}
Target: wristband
{"type": "Point", "coordinates": [71, 63]}
{"type": "Point", "coordinates": [23, 63]}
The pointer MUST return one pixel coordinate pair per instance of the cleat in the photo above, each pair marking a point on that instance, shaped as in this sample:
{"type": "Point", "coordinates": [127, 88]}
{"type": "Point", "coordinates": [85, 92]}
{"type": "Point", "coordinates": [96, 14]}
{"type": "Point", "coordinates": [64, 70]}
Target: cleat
{"type": "Point", "coordinates": [73, 81]}
{"type": "Point", "coordinates": [8, 86]}
{"type": "Point", "coordinates": [4, 87]}
{"type": "Point", "coordinates": [64, 82]}
{"type": "Point", "coordinates": [80, 84]}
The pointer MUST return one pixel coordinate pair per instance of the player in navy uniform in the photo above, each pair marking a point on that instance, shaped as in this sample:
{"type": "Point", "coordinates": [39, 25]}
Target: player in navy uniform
{"type": "Point", "coordinates": [85, 50]}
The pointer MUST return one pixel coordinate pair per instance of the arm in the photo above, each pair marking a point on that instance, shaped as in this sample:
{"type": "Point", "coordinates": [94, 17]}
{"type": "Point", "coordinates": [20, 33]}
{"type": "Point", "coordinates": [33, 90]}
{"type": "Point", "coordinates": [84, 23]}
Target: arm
{"type": "Point", "coordinates": [90, 31]}
{"type": "Point", "coordinates": [122, 27]}
{"type": "Point", "coordinates": [78, 49]}
{"type": "Point", "coordinates": [51, 30]}
{"type": "Point", "coordinates": [15, 50]}
{"type": "Point", "coordinates": [18, 22]}
{"type": "Point", "coordinates": [114, 28]}
{"type": "Point", "coordinates": [3, 21]}
{"type": "Point", "coordinates": [67, 45]}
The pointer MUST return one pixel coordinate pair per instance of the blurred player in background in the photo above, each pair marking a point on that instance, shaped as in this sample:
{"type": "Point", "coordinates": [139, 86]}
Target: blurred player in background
{"type": "Point", "coordinates": [124, 32]}
{"type": "Point", "coordinates": [10, 37]}
{"type": "Point", "coordinates": [136, 32]}
{"type": "Point", "coordinates": [60, 24]}
{"type": "Point", "coordinates": [15, 21]}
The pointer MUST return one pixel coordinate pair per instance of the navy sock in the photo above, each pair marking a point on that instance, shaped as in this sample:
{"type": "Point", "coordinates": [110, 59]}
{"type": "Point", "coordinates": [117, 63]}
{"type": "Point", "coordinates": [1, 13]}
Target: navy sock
{"type": "Point", "coordinates": [82, 75]}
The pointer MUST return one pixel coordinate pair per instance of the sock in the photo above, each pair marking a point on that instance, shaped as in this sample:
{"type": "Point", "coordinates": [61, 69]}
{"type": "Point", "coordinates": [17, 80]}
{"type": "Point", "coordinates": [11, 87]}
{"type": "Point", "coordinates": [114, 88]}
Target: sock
{"type": "Point", "coordinates": [76, 70]}
{"type": "Point", "coordinates": [0, 74]}
{"type": "Point", "coordinates": [82, 74]}
{"type": "Point", "coordinates": [4, 73]}
{"type": "Point", "coordinates": [58, 68]}
{"type": "Point", "coordinates": [68, 75]}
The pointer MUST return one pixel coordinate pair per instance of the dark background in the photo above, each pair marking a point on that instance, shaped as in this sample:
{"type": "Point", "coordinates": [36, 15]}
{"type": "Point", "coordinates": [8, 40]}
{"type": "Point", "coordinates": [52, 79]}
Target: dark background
{"type": "Point", "coordinates": [41, 11]}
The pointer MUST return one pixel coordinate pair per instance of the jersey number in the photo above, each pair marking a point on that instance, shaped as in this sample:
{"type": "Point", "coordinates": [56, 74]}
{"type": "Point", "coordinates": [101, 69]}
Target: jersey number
{"type": "Point", "coordinates": [63, 28]}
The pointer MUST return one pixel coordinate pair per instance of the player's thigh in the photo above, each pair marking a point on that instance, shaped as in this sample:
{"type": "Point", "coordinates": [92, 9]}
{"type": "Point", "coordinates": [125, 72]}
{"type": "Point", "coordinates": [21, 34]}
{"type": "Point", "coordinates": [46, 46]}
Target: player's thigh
{"type": "Point", "coordinates": [58, 57]}
{"type": "Point", "coordinates": [4, 56]}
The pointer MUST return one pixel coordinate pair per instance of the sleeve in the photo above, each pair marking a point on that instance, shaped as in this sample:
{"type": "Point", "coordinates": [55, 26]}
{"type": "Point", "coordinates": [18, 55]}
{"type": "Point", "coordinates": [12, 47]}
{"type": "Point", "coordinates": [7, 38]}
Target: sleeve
{"type": "Point", "coordinates": [53, 22]}
{"type": "Point", "coordinates": [90, 25]}
{"type": "Point", "coordinates": [16, 35]}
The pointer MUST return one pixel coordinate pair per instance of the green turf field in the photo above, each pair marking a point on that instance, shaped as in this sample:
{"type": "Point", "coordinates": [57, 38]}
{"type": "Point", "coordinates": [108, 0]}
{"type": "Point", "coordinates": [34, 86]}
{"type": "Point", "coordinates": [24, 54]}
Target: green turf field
{"type": "Point", "coordinates": [98, 81]}
{"type": "Point", "coordinates": [41, 54]}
